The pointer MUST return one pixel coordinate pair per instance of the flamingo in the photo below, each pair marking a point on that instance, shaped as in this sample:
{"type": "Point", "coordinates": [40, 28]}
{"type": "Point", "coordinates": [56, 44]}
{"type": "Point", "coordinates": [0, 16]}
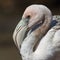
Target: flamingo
{"type": "Point", "coordinates": [33, 36]}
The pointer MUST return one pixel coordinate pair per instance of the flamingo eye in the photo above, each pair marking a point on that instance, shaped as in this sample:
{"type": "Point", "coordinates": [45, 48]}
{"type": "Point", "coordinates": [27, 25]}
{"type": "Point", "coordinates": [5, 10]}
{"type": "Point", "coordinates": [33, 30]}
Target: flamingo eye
{"type": "Point", "coordinates": [28, 18]}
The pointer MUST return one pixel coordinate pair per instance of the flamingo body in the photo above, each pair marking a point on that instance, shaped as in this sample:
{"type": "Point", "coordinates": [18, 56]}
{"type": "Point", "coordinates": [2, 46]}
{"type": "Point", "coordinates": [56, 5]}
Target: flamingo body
{"type": "Point", "coordinates": [37, 34]}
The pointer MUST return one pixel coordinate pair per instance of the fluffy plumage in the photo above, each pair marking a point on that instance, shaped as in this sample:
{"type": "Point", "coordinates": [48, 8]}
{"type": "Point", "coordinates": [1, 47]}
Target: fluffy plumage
{"type": "Point", "coordinates": [31, 33]}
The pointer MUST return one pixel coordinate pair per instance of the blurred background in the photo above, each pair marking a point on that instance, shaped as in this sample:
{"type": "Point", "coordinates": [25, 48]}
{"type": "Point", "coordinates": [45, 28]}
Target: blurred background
{"type": "Point", "coordinates": [10, 14]}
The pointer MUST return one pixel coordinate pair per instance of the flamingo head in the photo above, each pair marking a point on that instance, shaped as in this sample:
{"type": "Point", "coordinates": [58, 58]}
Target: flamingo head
{"type": "Point", "coordinates": [33, 18]}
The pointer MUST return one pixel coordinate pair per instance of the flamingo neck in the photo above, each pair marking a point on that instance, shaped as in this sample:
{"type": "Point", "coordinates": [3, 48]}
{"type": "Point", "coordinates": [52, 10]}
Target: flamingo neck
{"type": "Point", "coordinates": [30, 41]}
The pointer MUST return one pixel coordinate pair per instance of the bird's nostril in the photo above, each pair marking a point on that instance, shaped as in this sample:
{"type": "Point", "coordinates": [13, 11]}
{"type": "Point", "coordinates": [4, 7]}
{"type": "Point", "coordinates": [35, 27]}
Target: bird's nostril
{"type": "Point", "coordinates": [19, 28]}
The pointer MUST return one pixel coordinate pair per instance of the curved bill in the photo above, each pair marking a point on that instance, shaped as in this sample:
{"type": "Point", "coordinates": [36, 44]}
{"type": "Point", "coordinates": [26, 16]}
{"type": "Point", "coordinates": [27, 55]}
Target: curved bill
{"type": "Point", "coordinates": [19, 33]}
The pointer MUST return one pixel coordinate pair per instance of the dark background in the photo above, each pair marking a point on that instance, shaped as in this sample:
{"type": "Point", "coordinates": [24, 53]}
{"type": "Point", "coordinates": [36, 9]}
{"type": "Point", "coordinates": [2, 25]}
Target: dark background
{"type": "Point", "coordinates": [10, 14]}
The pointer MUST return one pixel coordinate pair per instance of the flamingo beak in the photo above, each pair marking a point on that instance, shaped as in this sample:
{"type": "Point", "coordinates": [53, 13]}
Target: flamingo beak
{"type": "Point", "coordinates": [19, 32]}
